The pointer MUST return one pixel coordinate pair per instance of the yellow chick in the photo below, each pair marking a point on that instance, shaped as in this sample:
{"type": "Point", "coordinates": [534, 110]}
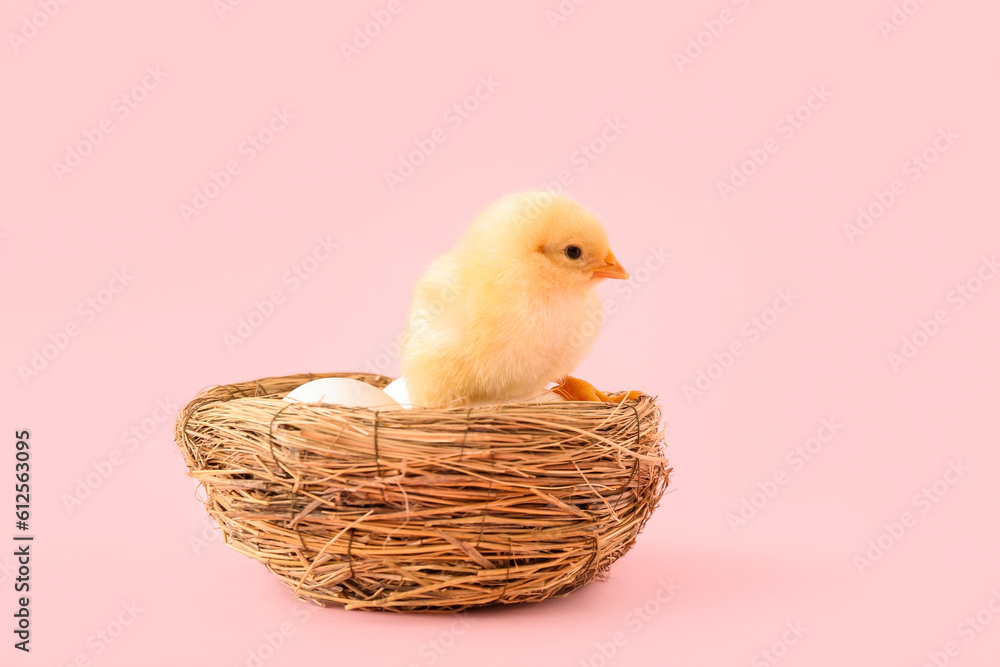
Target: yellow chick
{"type": "Point", "coordinates": [512, 307]}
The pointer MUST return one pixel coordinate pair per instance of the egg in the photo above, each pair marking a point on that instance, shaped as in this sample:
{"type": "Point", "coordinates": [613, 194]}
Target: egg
{"type": "Point", "coordinates": [342, 391]}
{"type": "Point", "coordinates": [357, 394]}
{"type": "Point", "coordinates": [398, 391]}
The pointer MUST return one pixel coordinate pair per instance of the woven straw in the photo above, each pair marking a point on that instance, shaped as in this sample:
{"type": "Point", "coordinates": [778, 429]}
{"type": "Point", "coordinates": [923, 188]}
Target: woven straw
{"type": "Point", "coordinates": [424, 510]}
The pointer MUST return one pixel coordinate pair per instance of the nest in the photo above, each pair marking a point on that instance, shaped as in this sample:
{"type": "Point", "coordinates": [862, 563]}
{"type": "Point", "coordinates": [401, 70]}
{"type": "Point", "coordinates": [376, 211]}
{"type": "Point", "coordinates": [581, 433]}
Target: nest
{"type": "Point", "coordinates": [425, 509]}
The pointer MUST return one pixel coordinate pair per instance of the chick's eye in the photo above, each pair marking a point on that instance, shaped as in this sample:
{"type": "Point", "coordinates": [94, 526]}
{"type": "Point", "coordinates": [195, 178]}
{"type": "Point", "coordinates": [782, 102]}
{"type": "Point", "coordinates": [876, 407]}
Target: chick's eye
{"type": "Point", "coordinates": [573, 251]}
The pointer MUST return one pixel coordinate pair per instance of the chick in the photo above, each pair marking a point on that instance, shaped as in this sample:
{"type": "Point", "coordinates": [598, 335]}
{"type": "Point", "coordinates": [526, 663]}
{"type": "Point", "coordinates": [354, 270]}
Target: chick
{"type": "Point", "coordinates": [512, 307]}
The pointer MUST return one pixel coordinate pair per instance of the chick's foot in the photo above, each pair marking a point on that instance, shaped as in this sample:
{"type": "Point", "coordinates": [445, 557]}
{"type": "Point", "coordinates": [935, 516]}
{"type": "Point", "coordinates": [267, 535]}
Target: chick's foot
{"type": "Point", "coordinates": [575, 389]}
{"type": "Point", "coordinates": [621, 397]}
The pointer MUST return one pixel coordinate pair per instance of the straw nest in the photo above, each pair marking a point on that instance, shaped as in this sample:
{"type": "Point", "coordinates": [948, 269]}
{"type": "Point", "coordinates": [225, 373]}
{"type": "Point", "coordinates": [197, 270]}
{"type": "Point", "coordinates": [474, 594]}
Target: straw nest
{"type": "Point", "coordinates": [424, 510]}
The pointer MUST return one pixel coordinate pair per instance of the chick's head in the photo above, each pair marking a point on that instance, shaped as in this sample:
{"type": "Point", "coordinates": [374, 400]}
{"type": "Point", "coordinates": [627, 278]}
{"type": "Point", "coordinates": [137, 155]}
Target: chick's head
{"type": "Point", "coordinates": [544, 236]}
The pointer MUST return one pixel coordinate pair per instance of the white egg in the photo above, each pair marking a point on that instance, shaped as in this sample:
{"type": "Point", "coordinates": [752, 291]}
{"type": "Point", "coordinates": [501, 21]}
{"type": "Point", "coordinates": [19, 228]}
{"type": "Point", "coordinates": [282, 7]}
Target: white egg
{"type": "Point", "coordinates": [342, 391]}
{"type": "Point", "coordinates": [398, 390]}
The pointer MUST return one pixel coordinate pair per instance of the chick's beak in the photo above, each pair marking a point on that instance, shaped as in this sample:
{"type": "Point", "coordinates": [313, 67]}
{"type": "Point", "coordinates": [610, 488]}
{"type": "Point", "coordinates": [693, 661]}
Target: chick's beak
{"type": "Point", "coordinates": [612, 268]}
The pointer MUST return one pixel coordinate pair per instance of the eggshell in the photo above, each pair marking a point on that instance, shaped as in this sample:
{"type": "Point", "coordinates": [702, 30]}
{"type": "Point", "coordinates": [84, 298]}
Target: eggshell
{"type": "Point", "coordinates": [342, 391]}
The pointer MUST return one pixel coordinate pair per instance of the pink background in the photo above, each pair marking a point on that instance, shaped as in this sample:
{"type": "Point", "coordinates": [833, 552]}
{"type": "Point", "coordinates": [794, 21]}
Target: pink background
{"type": "Point", "coordinates": [140, 539]}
